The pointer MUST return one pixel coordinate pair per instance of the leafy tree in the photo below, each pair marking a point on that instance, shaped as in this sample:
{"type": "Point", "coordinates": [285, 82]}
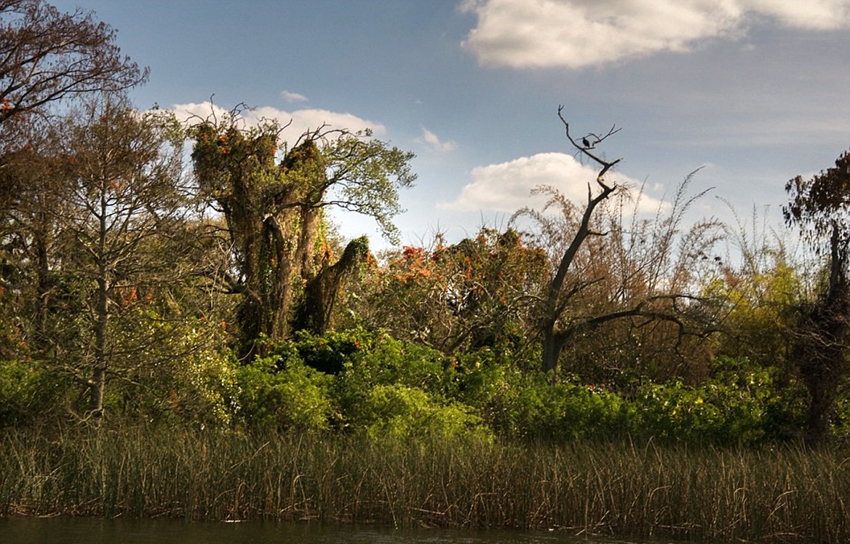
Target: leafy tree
{"type": "Point", "coordinates": [474, 294]}
{"type": "Point", "coordinates": [275, 214]}
{"type": "Point", "coordinates": [119, 240]}
{"type": "Point", "coordinates": [757, 291]}
{"type": "Point", "coordinates": [819, 208]}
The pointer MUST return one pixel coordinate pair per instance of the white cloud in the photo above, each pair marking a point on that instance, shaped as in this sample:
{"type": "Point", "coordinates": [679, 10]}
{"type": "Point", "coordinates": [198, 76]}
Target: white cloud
{"type": "Point", "coordinates": [300, 121]}
{"type": "Point", "coordinates": [431, 140]}
{"type": "Point", "coordinates": [577, 33]}
{"type": "Point", "coordinates": [506, 187]}
{"type": "Point", "coordinates": [289, 96]}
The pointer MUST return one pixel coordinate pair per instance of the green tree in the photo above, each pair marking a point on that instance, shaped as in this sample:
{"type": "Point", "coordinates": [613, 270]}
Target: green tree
{"type": "Point", "coordinates": [757, 292]}
{"type": "Point", "coordinates": [819, 208]}
{"type": "Point", "coordinates": [275, 218]}
{"type": "Point", "coordinates": [119, 237]}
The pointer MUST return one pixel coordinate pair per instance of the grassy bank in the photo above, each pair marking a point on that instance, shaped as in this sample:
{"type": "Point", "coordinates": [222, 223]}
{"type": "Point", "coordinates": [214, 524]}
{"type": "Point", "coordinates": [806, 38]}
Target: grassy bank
{"type": "Point", "coordinates": [784, 494]}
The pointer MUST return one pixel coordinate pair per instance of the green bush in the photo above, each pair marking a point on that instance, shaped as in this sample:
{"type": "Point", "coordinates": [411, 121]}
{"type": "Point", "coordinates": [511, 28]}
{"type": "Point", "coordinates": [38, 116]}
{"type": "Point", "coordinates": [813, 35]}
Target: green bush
{"type": "Point", "coordinates": [28, 391]}
{"type": "Point", "coordinates": [284, 395]}
{"type": "Point", "coordinates": [740, 404]}
{"type": "Point", "coordinates": [407, 412]}
{"type": "Point", "coordinates": [378, 385]}
{"type": "Point", "coordinates": [356, 381]}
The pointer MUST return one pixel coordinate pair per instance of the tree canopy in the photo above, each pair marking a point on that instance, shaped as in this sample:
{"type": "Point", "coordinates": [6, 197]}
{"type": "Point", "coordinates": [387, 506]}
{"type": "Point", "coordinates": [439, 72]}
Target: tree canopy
{"type": "Point", "coordinates": [47, 55]}
{"type": "Point", "coordinates": [274, 210]}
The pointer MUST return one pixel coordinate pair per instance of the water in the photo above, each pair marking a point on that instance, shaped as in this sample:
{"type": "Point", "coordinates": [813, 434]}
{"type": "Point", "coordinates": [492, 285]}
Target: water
{"type": "Point", "coordinates": [99, 531]}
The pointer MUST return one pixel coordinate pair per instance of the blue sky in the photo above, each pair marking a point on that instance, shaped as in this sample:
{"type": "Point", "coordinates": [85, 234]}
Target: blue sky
{"type": "Point", "coordinates": [753, 92]}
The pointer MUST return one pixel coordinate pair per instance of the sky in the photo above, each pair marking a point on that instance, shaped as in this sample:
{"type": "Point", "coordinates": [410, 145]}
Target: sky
{"type": "Point", "coordinates": [749, 92]}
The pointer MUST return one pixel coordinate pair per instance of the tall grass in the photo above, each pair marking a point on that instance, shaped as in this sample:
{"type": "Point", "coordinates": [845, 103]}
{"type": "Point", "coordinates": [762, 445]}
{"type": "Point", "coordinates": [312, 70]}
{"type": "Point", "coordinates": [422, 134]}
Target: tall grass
{"type": "Point", "coordinates": [784, 494]}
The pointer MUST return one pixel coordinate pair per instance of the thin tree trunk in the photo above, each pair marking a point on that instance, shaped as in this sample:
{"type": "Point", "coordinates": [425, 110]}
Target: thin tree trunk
{"type": "Point", "coordinates": [97, 383]}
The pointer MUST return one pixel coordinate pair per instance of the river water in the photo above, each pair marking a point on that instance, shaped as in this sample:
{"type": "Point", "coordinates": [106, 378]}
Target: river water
{"type": "Point", "coordinates": [99, 531]}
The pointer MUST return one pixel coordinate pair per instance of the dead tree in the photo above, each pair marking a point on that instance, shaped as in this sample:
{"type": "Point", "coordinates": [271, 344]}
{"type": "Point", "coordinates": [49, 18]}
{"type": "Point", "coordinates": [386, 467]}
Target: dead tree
{"type": "Point", "coordinates": [651, 288]}
{"type": "Point", "coordinates": [556, 300]}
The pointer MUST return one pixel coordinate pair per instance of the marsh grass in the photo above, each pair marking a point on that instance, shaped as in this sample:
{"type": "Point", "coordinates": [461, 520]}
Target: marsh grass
{"type": "Point", "coordinates": [783, 494]}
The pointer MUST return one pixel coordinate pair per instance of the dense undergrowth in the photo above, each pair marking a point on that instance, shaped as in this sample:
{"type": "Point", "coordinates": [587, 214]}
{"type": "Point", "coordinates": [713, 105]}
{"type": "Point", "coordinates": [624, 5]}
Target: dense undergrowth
{"type": "Point", "coordinates": [360, 427]}
{"type": "Point", "coordinates": [359, 382]}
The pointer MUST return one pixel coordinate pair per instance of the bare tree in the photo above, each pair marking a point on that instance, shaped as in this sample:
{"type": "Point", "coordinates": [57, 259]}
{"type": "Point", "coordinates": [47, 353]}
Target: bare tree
{"type": "Point", "coordinates": [46, 55]}
{"type": "Point", "coordinates": [599, 274]}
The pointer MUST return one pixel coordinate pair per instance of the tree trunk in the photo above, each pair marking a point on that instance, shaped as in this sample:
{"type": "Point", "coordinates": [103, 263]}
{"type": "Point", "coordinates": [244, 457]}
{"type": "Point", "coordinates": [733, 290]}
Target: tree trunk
{"type": "Point", "coordinates": [820, 351]}
{"type": "Point", "coordinates": [101, 322]}
{"type": "Point", "coordinates": [98, 379]}
{"type": "Point", "coordinates": [321, 290]}
{"type": "Point", "coordinates": [817, 424]}
{"type": "Point", "coordinates": [97, 385]}
{"type": "Point", "coordinates": [552, 346]}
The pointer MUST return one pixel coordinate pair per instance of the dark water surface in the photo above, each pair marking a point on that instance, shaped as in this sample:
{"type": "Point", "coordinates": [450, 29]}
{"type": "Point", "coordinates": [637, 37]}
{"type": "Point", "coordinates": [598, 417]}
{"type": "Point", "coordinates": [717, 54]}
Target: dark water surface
{"type": "Point", "coordinates": [99, 531]}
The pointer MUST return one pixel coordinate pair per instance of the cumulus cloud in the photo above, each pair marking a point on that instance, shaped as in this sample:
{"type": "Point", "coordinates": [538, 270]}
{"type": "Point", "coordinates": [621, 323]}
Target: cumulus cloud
{"type": "Point", "coordinates": [431, 140]}
{"type": "Point", "coordinates": [577, 33]}
{"type": "Point", "coordinates": [289, 96]}
{"type": "Point", "coordinates": [300, 121]}
{"type": "Point", "coordinates": [506, 187]}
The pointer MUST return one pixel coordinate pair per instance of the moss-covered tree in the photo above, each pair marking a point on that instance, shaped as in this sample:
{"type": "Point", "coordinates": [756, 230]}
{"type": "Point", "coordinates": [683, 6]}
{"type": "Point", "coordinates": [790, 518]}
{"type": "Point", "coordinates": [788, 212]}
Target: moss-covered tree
{"type": "Point", "coordinates": [274, 211]}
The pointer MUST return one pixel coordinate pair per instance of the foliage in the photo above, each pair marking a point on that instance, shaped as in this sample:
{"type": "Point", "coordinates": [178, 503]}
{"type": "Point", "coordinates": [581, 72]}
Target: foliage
{"type": "Point", "coordinates": [757, 301]}
{"type": "Point", "coordinates": [820, 204]}
{"type": "Point", "coordinates": [457, 298]}
{"type": "Point", "coordinates": [399, 411]}
{"type": "Point", "coordinates": [29, 393]}
{"type": "Point", "coordinates": [382, 386]}
{"type": "Point", "coordinates": [51, 55]}
{"type": "Point", "coordinates": [284, 394]}
{"type": "Point", "coordinates": [275, 212]}
{"type": "Point", "coordinates": [741, 404]}
{"type": "Point", "coordinates": [820, 208]}
{"type": "Point", "coordinates": [354, 381]}
{"type": "Point", "coordinates": [534, 408]}
{"type": "Point", "coordinates": [226, 305]}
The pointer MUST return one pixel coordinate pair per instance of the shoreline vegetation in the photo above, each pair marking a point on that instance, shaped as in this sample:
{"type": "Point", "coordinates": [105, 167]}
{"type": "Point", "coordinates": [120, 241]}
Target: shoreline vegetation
{"type": "Point", "coordinates": [613, 487]}
{"type": "Point", "coordinates": [185, 333]}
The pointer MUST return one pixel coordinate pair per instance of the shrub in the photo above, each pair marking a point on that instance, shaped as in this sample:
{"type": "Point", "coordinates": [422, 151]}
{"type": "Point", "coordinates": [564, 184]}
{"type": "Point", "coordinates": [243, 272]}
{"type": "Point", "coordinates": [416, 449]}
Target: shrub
{"type": "Point", "coordinates": [740, 404]}
{"type": "Point", "coordinates": [284, 395]}
{"type": "Point", "coordinates": [27, 391]}
{"type": "Point", "coordinates": [407, 412]}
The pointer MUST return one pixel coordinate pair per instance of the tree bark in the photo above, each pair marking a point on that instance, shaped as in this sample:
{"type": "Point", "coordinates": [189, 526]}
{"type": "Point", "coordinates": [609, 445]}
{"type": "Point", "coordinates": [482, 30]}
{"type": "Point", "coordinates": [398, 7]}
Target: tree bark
{"type": "Point", "coordinates": [552, 346]}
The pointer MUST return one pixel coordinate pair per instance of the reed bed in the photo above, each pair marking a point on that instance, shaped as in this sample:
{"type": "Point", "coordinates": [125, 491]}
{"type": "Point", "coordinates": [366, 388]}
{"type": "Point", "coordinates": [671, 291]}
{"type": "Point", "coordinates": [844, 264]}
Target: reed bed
{"type": "Point", "coordinates": [786, 494]}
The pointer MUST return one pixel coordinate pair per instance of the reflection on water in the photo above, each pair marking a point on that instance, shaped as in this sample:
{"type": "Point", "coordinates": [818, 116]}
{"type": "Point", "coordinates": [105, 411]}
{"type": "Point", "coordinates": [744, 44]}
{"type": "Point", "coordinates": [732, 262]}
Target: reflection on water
{"type": "Point", "coordinates": [98, 531]}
